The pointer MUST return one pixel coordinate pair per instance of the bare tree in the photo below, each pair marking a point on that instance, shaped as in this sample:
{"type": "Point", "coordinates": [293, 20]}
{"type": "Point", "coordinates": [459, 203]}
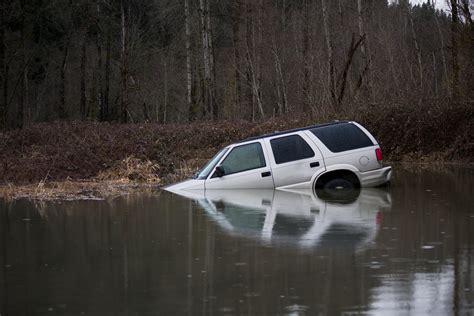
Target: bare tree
{"type": "Point", "coordinates": [124, 61]}
{"type": "Point", "coordinates": [62, 90]}
{"type": "Point", "coordinates": [189, 74]}
{"type": "Point", "coordinates": [249, 44]}
{"type": "Point", "coordinates": [212, 61]}
{"type": "Point", "coordinates": [207, 57]}
{"type": "Point", "coordinates": [23, 96]}
{"type": "Point", "coordinates": [329, 47]}
{"type": "Point", "coordinates": [365, 50]}
{"type": "Point", "coordinates": [280, 83]}
{"type": "Point", "coordinates": [342, 82]}
{"type": "Point", "coordinates": [454, 49]}
{"type": "Point", "coordinates": [254, 84]}
{"type": "Point", "coordinates": [83, 104]}
{"type": "Point", "coordinates": [443, 56]}
{"type": "Point", "coordinates": [417, 50]}
{"type": "Point", "coordinates": [61, 109]}
{"type": "Point", "coordinates": [306, 58]}
{"type": "Point", "coordinates": [98, 43]}
{"type": "Point", "coordinates": [108, 57]}
{"type": "Point", "coordinates": [3, 77]}
{"type": "Point", "coordinates": [236, 20]}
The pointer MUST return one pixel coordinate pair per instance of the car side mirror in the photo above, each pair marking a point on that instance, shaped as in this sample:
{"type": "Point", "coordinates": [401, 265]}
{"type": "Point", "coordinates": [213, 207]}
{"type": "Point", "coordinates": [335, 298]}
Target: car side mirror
{"type": "Point", "coordinates": [220, 171]}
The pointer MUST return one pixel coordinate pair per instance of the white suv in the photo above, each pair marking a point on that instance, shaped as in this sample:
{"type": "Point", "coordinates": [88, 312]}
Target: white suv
{"type": "Point", "coordinates": [338, 155]}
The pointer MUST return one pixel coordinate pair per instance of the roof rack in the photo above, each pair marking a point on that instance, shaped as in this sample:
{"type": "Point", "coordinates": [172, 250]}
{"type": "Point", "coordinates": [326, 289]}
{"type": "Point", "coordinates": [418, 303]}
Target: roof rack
{"type": "Point", "coordinates": [278, 133]}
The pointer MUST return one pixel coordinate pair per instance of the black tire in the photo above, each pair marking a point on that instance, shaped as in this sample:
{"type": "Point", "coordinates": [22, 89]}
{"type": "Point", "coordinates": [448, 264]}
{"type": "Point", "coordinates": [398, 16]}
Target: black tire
{"type": "Point", "coordinates": [339, 184]}
{"type": "Point", "coordinates": [345, 189]}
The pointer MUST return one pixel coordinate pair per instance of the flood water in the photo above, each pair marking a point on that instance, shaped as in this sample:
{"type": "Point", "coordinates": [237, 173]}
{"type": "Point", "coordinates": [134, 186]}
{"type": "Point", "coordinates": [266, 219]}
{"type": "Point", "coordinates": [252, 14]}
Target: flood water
{"type": "Point", "coordinates": [408, 249]}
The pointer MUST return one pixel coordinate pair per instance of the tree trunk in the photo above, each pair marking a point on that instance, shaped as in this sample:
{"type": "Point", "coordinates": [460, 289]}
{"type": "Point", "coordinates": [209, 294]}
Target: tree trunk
{"type": "Point", "coordinates": [454, 49]}
{"type": "Point", "coordinates": [108, 53]}
{"type": "Point", "coordinates": [331, 70]}
{"type": "Point", "coordinates": [364, 49]}
{"type": "Point", "coordinates": [3, 78]}
{"type": "Point", "coordinates": [189, 74]}
{"type": "Point", "coordinates": [417, 49]}
{"type": "Point", "coordinates": [254, 83]}
{"type": "Point", "coordinates": [61, 110]}
{"type": "Point", "coordinates": [62, 89]}
{"type": "Point", "coordinates": [124, 66]}
{"type": "Point", "coordinates": [360, 23]}
{"type": "Point", "coordinates": [306, 25]}
{"type": "Point", "coordinates": [165, 97]}
{"type": "Point", "coordinates": [435, 77]}
{"type": "Point", "coordinates": [249, 47]}
{"type": "Point", "coordinates": [350, 56]}
{"type": "Point", "coordinates": [443, 56]}
{"type": "Point", "coordinates": [206, 57]}
{"type": "Point", "coordinates": [208, 60]}
{"type": "Point", "coordinates": [100, 86]}
{"type": "Point", "coordinates": [24, 77]}
{"type": "Point", "coordinates": [253, 59]}
{"type": "Point", "coordinates": [236, 48]}
{"type": "Point", "coordinates": [83, 75]}
{"type": "Point", "coordinates": [258, 51]}
{"type": "Point", "coordinates": [281, 84]}
{"type": "Point", "coordinates": [212, 88]}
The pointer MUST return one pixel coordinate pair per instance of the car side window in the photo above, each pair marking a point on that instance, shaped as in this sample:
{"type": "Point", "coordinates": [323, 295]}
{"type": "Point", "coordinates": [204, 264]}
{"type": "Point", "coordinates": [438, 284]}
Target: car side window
{"type": "Point", "coordinates": [342, 137]}
{"type": "Point", "coordinates": [243, 158]}
{"type": "Point", "coordinates": [290, 148]}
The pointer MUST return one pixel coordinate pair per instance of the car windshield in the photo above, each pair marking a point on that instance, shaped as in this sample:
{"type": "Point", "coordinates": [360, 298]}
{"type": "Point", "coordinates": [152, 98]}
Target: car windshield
{"type": "Point", "coordinates": [204, 172]}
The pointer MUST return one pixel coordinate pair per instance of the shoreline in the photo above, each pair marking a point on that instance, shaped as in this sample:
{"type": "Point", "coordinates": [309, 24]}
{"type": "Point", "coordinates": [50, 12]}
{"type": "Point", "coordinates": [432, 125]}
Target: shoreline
{"type": "Point", "coordinates": [62, 191]}
{"type": "Point", "coordinates": [96, 189]}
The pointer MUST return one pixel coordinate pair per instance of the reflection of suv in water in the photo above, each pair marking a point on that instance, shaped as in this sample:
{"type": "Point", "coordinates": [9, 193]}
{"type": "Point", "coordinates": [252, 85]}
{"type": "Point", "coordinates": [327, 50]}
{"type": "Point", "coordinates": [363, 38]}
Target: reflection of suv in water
{"type": "Point", "coordinates": [330, 156]}
{"type": "Point", "coordinates": [298, 217]}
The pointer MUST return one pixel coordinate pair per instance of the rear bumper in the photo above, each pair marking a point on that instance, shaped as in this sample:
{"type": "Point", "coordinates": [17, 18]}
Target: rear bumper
{"type": "Point", "coordinates": [375, 177]}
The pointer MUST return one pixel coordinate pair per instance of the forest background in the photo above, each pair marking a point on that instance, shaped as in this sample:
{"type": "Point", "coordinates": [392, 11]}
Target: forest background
{"type": "Point", "coordinates": [403, 70]}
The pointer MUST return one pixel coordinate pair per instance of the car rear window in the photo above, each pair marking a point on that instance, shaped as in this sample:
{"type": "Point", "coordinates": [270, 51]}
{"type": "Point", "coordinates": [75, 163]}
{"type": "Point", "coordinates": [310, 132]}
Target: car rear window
{"type": "Point", "coordinates": [290, 148]}
{"type": "Point", "coordinates": [342, 137]}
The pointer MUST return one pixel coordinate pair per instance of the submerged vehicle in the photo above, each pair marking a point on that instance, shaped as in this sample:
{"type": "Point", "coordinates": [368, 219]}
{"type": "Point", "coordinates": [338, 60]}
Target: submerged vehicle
{"type": "Point", "coordinates": [337, 155]}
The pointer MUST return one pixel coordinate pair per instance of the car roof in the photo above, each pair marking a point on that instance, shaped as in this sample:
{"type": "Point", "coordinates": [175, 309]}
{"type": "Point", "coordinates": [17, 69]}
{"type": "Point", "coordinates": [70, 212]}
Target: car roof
{"type": "Point", "coordinates": [278, 133]}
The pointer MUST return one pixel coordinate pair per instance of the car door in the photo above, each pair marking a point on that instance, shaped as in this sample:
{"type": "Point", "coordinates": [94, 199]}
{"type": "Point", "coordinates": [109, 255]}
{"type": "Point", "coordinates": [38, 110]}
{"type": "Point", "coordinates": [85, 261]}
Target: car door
{"type": "Point", "coordinates": [246, 166]}
{"type": "Point", "coordinates": [294, 159]}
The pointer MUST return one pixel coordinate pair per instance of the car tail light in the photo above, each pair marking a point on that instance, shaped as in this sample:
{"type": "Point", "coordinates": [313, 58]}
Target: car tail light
{"type": "Point", "coordinates": [379, 218]}
{"type": "Point", "coordinates": [378, 154]}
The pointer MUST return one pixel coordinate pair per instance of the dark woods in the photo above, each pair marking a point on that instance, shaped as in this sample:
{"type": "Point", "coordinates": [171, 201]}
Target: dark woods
{"type": "Point", "coordinates": [177, 61]}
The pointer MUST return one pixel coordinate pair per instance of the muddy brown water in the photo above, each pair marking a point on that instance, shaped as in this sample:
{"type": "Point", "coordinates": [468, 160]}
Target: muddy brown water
{"type": "Point", "coordinates": [403, 250]}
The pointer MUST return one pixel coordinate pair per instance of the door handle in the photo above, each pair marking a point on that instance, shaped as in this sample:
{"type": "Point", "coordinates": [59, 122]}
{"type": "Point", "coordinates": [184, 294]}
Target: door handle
{"type": "Point", "coordinates": [314, 164]}
{"type": "Point", "coordinates": [266, 174]}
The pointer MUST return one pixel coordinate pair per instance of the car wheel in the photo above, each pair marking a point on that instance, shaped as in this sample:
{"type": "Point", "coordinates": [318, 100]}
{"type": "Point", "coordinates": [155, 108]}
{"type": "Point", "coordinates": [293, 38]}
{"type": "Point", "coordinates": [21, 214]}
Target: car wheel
{"type": "Point", "coordinates": [339, 184]}
{"type": "Point", "coordinates": [339, 190]}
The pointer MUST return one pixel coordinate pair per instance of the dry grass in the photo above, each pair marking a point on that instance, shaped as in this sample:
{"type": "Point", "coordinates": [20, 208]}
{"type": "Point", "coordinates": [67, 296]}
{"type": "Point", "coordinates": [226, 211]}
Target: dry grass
{"type": "Point", "coordinates": [132, 169]}
{"type": "Point", "coordinates": [71, 190]}
{"type": "Point", "coordinates": [185, 169]}
{"type": "Point", "coordinates": [127, 175]}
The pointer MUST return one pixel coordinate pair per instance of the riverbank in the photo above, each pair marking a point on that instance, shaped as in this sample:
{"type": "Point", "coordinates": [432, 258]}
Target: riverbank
{"type": "Point", "coordinates": [71, 190]}
{"type": "Point", "coordinates": [68, 158]}
{"type": "Point", "coordinates": [128, 175]}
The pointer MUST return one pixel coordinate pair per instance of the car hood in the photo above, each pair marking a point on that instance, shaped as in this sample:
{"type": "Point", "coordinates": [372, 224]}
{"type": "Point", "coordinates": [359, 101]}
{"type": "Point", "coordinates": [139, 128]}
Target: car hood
{"type": "Point", "coordinates": [184, 187]}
